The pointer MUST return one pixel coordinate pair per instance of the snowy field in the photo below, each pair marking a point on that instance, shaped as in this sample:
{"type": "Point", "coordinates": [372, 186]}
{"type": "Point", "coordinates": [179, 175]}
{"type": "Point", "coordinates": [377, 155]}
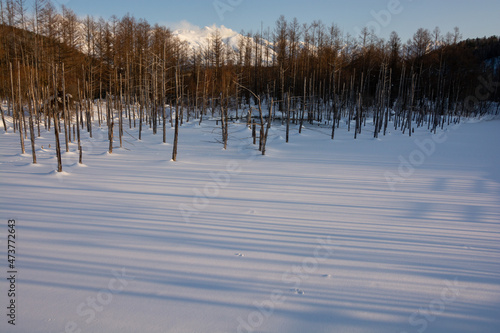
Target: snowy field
{"type": "Point", "coordinates": [395, 235]}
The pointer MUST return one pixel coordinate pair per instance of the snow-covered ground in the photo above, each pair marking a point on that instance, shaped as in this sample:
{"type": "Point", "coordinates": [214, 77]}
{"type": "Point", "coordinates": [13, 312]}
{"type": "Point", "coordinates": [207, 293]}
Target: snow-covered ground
{"type": "Point", "coordinates": [395, 235]}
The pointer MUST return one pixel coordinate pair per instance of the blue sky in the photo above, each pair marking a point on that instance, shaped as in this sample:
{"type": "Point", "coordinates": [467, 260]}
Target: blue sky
{"type": "Point", "coordinates": [474, 18]}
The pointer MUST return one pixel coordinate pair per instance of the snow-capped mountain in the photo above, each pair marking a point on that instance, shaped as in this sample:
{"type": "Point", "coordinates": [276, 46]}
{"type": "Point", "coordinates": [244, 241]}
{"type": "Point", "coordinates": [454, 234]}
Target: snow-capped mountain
{"type": "Point", "coordinates": [200, 38]}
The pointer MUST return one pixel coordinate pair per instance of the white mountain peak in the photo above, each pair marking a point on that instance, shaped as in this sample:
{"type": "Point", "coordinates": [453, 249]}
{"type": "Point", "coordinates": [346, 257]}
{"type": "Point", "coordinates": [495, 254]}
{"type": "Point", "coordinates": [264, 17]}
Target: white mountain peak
{"type": "Point", "coordinates": [200, 38]}
{"type": "Point", "coordinates": [196, 36]}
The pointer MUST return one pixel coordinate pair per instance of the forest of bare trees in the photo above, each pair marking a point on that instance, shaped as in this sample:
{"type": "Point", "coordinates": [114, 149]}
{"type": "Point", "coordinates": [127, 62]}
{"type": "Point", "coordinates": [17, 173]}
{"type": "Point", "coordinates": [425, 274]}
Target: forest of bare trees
{"type": "Point", "coordinates": [59, 73]}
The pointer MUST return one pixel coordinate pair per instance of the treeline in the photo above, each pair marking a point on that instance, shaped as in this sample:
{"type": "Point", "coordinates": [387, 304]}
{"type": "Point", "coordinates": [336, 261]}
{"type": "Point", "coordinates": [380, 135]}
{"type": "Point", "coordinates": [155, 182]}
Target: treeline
{"type": "Point", "coordinates": [56, 69]}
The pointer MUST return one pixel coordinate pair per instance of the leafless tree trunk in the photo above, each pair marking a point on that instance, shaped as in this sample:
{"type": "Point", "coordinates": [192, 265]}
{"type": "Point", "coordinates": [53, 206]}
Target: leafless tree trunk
{"type": "Point", "coordinates": [56, 122]}
{"type": "Point", "coordinates": [20, 110]}
{"type": "Point", "coordinates": [3, 119]}
{"type": "Point", "coordinates": [120, 109]}
{"type": "Point", "coordinates": [267, 128]}
{"type": "Point", "coordinates": [78, 112]}
{"type": "Point", "coordinates": [31, 105]}
{"type": "Point", "coordinates": [110, 122]}
{"type": "Point", "coordinates": [65, 111]}
{"type": "Point", "coordinates": [288, 117]}
{"type": "Point", "coordinates": [176, 132]}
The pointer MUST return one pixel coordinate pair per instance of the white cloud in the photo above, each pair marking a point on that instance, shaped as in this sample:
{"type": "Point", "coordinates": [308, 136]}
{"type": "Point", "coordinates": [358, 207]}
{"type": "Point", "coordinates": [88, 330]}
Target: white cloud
{"type": "Point", "coordinates": [182, 25]}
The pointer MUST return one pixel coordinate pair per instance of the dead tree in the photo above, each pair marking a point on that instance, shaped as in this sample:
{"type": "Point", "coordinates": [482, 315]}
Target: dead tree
{"type": "Point", "coordinates": [110, 122]}
{"type": "Point", "coordinates": [3, 119]}
{"type": "Point", "coordinates": [55, 116]}
{"type": "Point", "coordinates": [288, 117]}
{"type": "Point", "coordinates": [261, 116]}
{"type": "Point", "coordinates": [65, 111]}
{"type": "Point", "coordinates": [32, 103]}
{"type": "Point", "coordinates": [19, 106]}
{"type": "Point", "coordinates": [303, 105]}
{"type": "Point", "coordinates": [177, 100]}
{"type": "Point", "coordinates": [264, 141]}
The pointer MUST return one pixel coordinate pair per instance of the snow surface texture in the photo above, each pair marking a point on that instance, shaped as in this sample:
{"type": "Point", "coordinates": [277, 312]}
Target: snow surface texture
{"type": "Point", "coordinates": [392, 235]}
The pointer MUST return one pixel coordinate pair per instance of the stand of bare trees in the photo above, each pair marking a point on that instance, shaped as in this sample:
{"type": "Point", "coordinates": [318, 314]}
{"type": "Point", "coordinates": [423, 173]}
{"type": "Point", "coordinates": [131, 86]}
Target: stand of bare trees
{"type": "Point", "coordinates": [60, 72]}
